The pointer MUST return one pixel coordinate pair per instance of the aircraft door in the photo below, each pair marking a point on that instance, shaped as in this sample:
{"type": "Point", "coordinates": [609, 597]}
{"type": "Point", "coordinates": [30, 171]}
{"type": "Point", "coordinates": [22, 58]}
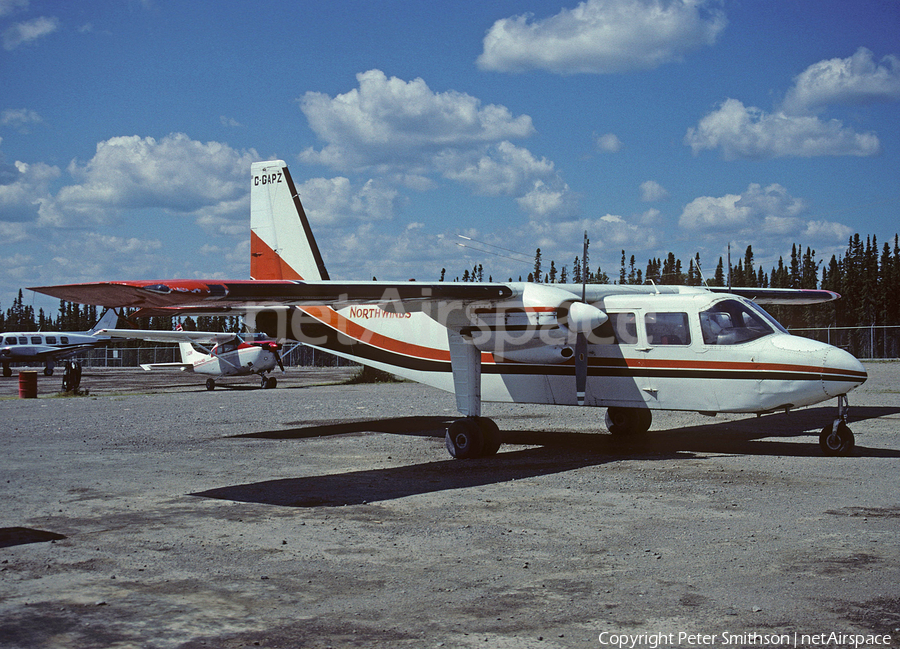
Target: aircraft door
{"type": "Point", "coordinates": [671, 376]}
{"type": "Point", "coordinates": [613, 377]}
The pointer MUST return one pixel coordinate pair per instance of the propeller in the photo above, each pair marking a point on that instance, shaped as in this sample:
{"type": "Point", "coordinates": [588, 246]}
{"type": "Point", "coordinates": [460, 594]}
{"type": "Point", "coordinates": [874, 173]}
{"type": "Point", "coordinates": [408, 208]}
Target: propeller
{"type": "Point", "coordinates": [581, 351]}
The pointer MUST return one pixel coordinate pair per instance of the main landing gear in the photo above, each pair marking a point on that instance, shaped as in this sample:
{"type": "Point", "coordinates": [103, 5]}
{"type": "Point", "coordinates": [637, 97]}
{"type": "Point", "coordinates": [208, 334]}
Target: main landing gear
{"type": "Point", "coordinates": [837, 438]}
{"type": "Point", "coordinates": [625, 422]}
{"type": "Point", "coordinates": [473, 437]}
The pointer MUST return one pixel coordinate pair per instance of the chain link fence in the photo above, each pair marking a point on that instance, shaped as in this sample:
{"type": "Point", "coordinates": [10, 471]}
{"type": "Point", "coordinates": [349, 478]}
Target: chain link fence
{"type": "Point", "coordinates": [874, 342]}
{"type": "Point", "coordinates": [296, 355]}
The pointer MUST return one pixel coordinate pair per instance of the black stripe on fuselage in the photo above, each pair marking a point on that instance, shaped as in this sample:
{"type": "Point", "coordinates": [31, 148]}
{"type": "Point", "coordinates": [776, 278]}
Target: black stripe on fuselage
{"type": "Point", "coordinates": [613, 368]}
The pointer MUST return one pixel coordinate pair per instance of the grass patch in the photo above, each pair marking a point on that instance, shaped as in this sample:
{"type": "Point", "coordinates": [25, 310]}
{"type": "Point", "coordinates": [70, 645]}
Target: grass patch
{"type": "Point", "coordinates": [366, 374]}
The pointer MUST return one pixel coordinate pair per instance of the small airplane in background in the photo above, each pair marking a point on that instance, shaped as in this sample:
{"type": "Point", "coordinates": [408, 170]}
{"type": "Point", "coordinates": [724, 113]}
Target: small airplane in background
{"type": "Point", "coordinates": [630, 349]}
{"type": "Point", "coordinates": [231, 354]}
{"type": "Point", "coordinates": [48, 347]}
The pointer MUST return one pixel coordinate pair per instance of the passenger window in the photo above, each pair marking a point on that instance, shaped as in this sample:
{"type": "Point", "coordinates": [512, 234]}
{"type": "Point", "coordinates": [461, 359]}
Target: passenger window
{"type": "Point", "coordinates": [64, 340]}
{"type": "Point", "coordinates": [667, 329]}
{"type": "Point", "coordinates": [23, 340]}
{"type": "Point", "coordinates": [51, 340]}
{"type": "Point", "coordinates": [10, 340]}
{"type": "Point", "coordinates": [36, 340]}
{"type": "Point", "coordinates": [624, 328]}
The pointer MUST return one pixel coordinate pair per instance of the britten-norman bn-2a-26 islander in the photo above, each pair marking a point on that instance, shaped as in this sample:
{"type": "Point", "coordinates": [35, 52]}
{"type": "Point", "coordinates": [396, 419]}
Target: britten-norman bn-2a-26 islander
{"type": "Point", "coordinates": [631, 349]}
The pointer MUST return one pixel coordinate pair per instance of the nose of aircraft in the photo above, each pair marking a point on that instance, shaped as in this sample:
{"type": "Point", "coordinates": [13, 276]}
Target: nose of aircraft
{"type": "Point", "coordinates": [841, 372]}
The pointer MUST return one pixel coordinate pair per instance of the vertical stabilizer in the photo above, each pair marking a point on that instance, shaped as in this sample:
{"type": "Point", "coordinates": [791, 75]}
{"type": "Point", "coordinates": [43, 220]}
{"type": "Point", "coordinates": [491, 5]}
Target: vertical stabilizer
{"type": "Point", "coordinates": [188, 353]}
{"type": "Point", "coordinates": [282, 245]}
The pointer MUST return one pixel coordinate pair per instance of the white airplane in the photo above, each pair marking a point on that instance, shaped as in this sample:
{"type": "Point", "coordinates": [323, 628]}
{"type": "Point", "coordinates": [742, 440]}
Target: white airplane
{"type": "Point", "coordinates": [630, 349]}
{"type": "Point", "coordinates": [231, 355]}
{"type": "Point", "coordinates": [48, 347]}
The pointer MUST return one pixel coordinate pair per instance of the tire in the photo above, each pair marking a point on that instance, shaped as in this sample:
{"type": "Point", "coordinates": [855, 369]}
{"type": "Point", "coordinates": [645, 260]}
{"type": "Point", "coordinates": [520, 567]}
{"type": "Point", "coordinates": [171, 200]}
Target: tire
{"type": "Point", "coordinates": [464, 439]}
{"type": "Point", "coordinates": [623, 422]}
{"type": "Point", "coordinates": [271, 383]}
{"type": "Point", "coordinates": [837, 443]}
{"type": "Point", "coordinates": [490, 435]}
{"type": "Point", "coordinates": [210, 384]}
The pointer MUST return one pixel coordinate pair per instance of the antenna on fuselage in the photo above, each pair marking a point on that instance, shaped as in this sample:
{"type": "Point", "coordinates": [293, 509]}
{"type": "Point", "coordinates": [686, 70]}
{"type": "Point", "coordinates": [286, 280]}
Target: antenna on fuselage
{"type": "Point", "coordinates": [729, 266]}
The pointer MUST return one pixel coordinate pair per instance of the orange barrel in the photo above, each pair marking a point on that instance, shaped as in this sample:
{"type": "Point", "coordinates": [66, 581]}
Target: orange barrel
{"type": "Point", "coordinates": [28, 385]}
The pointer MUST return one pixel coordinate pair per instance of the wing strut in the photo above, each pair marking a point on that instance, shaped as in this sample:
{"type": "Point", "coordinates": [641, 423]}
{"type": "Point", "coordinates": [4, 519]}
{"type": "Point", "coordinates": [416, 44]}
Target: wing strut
{"type": "Point", "coordinates": [465, 361]}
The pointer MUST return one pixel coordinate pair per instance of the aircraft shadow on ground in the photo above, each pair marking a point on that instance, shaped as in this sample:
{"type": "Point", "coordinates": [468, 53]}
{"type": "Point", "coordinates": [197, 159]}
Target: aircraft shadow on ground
{"type": "Point", "coordinates": [553, 452]}
{"type": "Point", "coordinates": [10, 536]}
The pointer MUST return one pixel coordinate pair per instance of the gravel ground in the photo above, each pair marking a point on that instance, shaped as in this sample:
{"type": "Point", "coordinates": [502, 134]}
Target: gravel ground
{"type": "Point", "coordinates": [152, 513]}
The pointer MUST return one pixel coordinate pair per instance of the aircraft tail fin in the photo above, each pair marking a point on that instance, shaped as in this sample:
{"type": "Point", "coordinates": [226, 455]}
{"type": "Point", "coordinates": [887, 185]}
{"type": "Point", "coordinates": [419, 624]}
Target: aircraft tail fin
{"type": "Point", "coordinates": [282, 245]}
{"type": "Point", "coordinates": [188, 353]}
{"type": "Point", "coordinates": [109, 320]}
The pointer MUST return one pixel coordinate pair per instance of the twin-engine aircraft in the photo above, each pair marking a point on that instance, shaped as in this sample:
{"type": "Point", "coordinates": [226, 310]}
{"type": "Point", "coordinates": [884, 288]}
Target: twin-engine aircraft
{"type": "Point", "coordinates": [48, 347]}
{"type": "Point", "coordinates": [231, 355]}
{"type": "Point", "coordinates": [630, 349]}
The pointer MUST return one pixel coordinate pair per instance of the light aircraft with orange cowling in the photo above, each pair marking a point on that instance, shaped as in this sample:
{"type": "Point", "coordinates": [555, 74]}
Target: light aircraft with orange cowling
{"type": "Point", "coordinates": [630, 349]}
{"type": "Point", "coordinates": [231, 354]}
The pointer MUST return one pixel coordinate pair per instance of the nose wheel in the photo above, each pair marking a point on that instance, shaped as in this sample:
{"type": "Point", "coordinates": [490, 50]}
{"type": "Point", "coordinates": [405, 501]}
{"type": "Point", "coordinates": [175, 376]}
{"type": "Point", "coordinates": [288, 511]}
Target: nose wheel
{"type": "Point", "coordinates": [836, 438]}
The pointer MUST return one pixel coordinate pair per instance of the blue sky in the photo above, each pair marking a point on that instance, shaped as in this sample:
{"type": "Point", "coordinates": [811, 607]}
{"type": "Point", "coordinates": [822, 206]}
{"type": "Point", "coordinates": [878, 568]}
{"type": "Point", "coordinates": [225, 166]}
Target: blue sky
{"type": "Point", "coordinates": [127, 130]}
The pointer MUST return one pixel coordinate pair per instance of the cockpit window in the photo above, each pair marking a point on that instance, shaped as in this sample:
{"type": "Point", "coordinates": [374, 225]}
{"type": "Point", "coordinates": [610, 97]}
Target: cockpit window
{"type": "Point", "coordinates": [10, 340]}
{"type": "Point", "coordinates": [730, 322]}
{"type": "Point", "coordinates": [667, 329]}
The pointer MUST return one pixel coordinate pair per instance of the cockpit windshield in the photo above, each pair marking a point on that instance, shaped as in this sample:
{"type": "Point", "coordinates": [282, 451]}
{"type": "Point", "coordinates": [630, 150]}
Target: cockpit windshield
{"type": "Point", "coordinates": [731, 322]}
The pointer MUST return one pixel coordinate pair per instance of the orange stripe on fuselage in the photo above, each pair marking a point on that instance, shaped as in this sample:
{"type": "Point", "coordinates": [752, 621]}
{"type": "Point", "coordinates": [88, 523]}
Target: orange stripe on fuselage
{"type": "Point", "coordinates": [347, 327]}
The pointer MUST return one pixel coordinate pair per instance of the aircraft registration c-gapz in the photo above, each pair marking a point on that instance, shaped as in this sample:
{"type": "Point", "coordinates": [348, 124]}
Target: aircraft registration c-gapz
{"type": "Point", "coordinates": [630, 349]}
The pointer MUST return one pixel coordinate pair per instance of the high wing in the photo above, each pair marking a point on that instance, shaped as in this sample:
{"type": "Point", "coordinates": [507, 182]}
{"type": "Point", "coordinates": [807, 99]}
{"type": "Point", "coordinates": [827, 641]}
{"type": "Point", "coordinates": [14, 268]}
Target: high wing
{"type": "Point", "coordinates": [152, 335]}
{"type": "Point", "coordinates": [793, 296]}
{"type": "Point", "coordinates": [173, 293]}
{"type": "Point", "coordinates": [223, 294]}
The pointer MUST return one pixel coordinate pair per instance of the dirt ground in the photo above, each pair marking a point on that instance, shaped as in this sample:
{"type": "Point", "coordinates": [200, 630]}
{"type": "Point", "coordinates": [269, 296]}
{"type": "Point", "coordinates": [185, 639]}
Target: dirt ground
{"type": "Point", "coordinates": [152, 513]}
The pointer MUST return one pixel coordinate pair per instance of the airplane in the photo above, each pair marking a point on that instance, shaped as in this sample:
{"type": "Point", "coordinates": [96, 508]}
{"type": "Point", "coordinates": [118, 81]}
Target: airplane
{"type": "Point", "coordinates": [630, 349]}
{"type": "Point", "coordinates": [231, 355]}
{"type": "Point", "coordinates": [50, 346]}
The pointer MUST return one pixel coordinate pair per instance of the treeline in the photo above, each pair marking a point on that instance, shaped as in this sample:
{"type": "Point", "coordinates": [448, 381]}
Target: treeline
{"type": "Point", "coordinates": [867, 276]}
{"type": "Point", "coordinates": [76, 317]}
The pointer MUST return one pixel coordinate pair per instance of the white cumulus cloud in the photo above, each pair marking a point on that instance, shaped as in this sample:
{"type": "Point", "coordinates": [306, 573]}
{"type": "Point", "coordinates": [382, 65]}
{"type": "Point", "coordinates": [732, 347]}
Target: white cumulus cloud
{"type": "Point", "coordinates": [404, 133]}
{"type": "Point", "coordinates": [748, 132]}
{"type": "Point", "coordinates": [761, 213]}
{"type": "Point", "coordinates": [208, 181]}
{"type": "Point", "coordinates": [603, 36]}
{"type": "Point", "coordinates": [652, 191]}
{"type": "Point", "coordinates": [857, 79]}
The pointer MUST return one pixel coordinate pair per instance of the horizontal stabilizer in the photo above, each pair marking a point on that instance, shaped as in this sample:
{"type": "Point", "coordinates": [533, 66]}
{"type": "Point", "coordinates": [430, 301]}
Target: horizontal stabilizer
{"type": "Point", "coordinates": [184, 367]}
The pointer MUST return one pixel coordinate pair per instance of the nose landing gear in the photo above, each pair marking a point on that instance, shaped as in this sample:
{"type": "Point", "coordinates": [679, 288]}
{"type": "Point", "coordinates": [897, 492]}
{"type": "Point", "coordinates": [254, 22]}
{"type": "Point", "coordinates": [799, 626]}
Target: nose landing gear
{"type": "Point", "coordinates": [836, 438]}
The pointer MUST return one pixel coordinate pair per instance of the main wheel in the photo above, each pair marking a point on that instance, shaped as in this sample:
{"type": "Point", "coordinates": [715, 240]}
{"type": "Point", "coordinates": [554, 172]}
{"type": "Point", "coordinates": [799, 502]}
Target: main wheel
{"type": "Point", "coordinates": [210, 384]}
{"type": "Point", "coordinates": [628, 421]}
{"type": "Point", "coordinates": [7, 370]}
{"type": "Point", "coordinates": [837, 440]}
{"type": "Point", "coordinates": [490, 433]}
{"type": "Point", "coordinates": [272, 382]}
{"type": "Point", "coordinates": [464, 439]}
